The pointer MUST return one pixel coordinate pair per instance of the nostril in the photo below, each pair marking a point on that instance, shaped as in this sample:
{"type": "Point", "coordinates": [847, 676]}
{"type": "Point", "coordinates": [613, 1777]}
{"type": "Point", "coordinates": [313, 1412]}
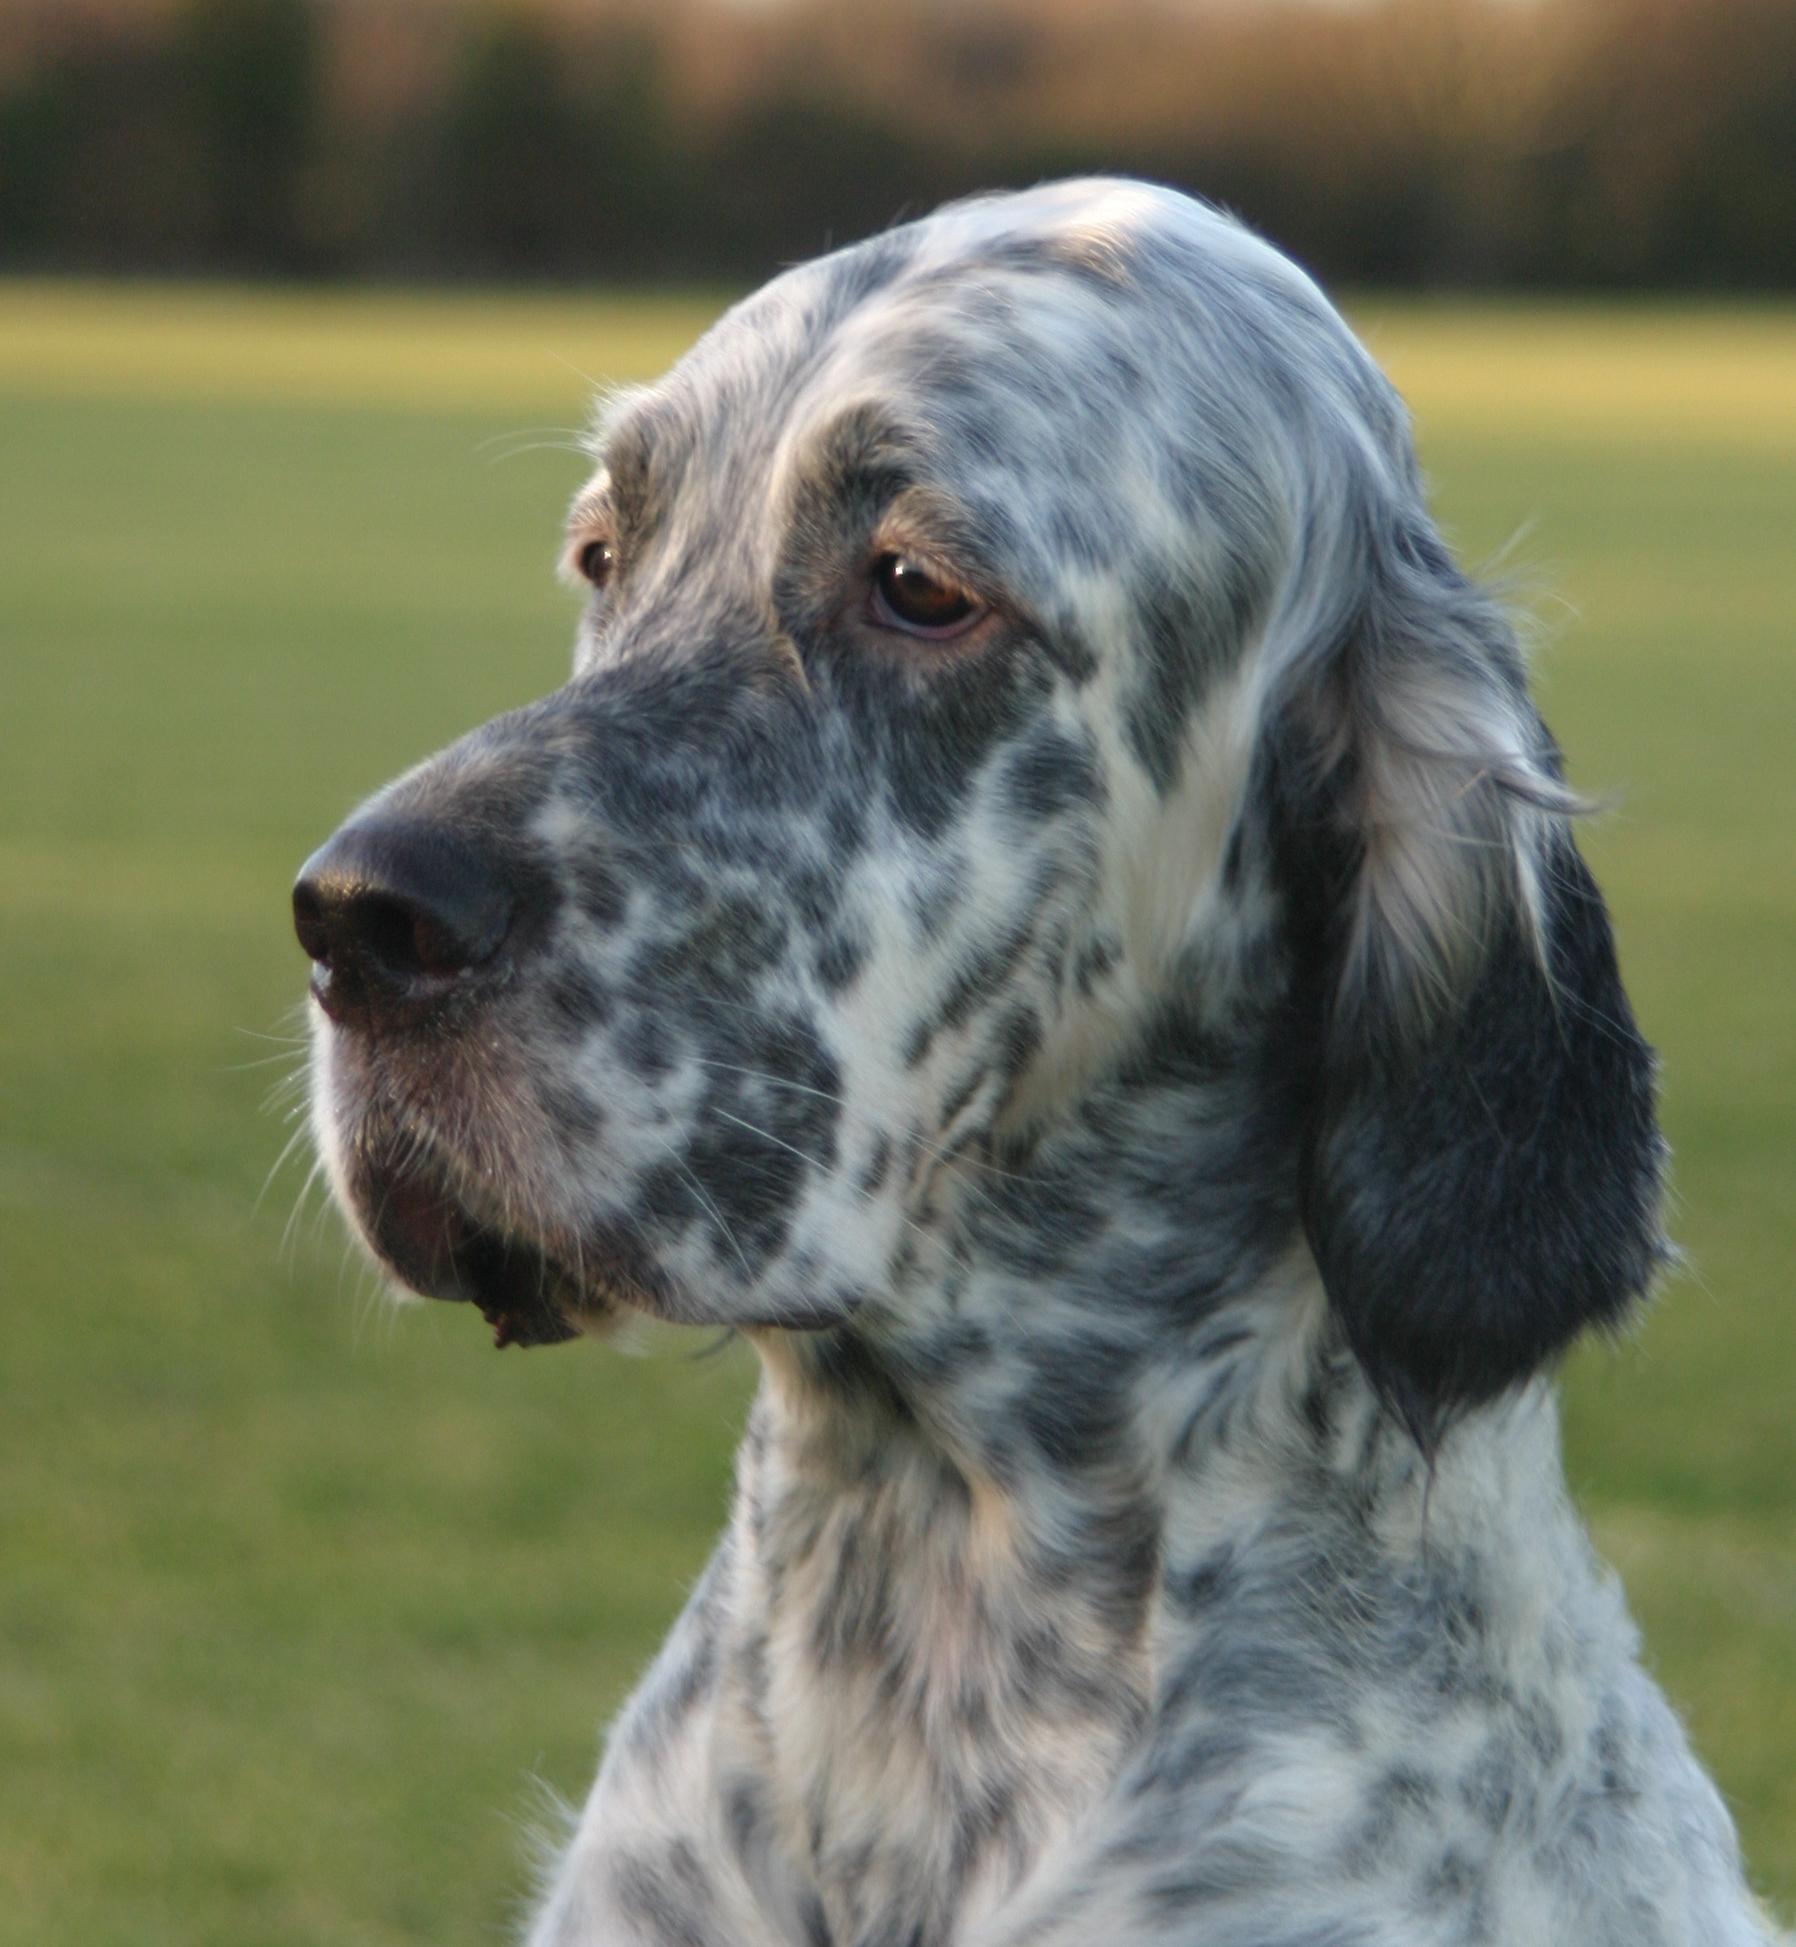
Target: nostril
{"type": "Point", "coordinates": [408, 939]}
{"type": "Point", "coordinates": [311, 923]}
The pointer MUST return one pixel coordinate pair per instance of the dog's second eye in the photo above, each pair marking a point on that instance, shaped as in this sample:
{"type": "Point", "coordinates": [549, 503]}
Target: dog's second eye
{"type": "Point", "coordinates": [907, 596]}
{"type": "Point", "coordinates": [597, 561]}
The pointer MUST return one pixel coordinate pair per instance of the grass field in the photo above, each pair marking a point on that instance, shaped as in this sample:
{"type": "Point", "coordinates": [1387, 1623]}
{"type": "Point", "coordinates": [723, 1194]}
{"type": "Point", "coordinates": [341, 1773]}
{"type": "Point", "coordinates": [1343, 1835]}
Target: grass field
{"type": "Point", "coordinates": [302, 1601]}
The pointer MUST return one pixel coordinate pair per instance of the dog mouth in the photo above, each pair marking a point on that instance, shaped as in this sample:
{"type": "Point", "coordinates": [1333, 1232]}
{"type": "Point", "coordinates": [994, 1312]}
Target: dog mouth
{"type": "Point", "coordinates": [528, 1294]}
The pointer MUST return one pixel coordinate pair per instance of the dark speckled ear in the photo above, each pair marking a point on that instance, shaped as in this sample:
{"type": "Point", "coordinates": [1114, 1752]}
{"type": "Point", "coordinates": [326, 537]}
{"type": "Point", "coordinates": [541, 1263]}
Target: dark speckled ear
{"type": "Point", "coordinates": [1481, 1175]}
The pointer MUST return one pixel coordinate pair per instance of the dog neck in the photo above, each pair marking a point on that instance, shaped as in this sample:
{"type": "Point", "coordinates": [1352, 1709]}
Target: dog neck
{"type": "Point", "coordinates": [1086, 1312]}
{"type": "Point", "coordinates": [975, 1526]}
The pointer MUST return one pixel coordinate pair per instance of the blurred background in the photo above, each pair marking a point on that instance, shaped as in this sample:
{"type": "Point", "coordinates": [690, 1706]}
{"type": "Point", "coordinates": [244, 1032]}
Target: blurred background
{"type": "Point", "coordinates": [310, 1606]}
{"type": "Point", "coordinates": [1543, 144]}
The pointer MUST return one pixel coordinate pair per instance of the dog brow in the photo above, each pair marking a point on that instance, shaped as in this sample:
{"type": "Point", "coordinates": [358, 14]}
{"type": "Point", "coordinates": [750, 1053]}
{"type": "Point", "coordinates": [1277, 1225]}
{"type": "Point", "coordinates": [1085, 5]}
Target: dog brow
{"type": "Point", "coordinates": [632, 426]}
{"type": "Point", "coordinates": [612, 409]}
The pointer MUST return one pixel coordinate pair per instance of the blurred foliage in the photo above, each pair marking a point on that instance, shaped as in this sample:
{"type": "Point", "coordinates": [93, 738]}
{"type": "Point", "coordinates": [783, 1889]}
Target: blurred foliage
{"type": "Point", "coordinates": [533, 162]}
{"type": "Point", "coordinates": [189, 147]}
{"type": "Point", "coordinates": [1529, 143]}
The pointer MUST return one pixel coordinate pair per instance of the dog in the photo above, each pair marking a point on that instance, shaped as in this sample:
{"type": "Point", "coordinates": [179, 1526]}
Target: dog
{"type": "Point", "coordinates": [1046, 907]}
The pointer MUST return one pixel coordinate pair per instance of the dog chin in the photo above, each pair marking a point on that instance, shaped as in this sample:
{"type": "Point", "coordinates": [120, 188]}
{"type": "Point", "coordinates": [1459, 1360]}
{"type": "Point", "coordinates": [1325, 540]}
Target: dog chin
{"type": "Point", "coordinates": [530, 1291]}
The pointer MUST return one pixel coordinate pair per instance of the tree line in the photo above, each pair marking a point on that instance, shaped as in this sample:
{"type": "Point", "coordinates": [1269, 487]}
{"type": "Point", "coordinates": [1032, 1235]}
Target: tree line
{"type": "Point", "coordinates": [1603, 144]}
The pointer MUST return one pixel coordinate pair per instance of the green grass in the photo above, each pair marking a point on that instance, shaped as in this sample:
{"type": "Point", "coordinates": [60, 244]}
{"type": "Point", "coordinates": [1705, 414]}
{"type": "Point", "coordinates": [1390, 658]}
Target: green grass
{"type": "Point", "coordinates": [301, 1596]}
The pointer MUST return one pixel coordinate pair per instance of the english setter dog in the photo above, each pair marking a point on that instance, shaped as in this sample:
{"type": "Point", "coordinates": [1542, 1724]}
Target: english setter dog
{"type": "Point", "coordinates": [1046, 907]}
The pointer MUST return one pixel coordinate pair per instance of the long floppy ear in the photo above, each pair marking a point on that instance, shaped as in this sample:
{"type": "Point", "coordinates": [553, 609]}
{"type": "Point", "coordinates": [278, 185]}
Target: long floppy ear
{"type": "Point", "coordinates": [1480, 1178]}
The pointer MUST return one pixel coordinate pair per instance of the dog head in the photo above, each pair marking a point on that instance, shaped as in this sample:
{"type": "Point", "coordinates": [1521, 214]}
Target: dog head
{"type": "Point", "coordinates": [996, 635]}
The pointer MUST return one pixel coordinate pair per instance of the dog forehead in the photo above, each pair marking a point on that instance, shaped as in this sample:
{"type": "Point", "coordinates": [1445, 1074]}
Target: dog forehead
{"type": "Point", "coordinates": [984, 289]}
{"type": "Point", "coordinates": [1090, 372]}
{"type": "Point", "coordinates": [1012, 302]}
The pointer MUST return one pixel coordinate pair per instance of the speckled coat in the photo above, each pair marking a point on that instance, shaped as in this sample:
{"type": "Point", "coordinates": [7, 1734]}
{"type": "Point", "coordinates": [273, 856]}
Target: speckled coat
{"type": "Point", "coordinates": [1141, 1059]}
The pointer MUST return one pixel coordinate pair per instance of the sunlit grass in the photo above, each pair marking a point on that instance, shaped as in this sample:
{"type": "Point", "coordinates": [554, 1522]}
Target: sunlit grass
{"type": "Point", "coordinates": [300, 1594]}
{"type": "Point", "coordinates": [1653, 375]}
{"type": "Point", "coordinates": [474, 354]}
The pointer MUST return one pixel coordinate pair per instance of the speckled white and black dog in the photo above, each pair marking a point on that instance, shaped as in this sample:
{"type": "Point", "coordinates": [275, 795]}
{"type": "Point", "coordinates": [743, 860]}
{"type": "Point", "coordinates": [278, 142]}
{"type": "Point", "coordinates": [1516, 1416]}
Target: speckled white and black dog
{"type": "Point", "coordinates": [1046, 906]}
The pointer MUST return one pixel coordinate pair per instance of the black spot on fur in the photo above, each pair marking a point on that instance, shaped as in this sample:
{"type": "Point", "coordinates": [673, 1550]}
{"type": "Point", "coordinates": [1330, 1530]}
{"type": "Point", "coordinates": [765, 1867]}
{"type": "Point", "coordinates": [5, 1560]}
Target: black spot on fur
{"type": "Point", "coordinates": [1096, 959]}
{"type": "Point", "coordinates": [1193, 1588]}
{"type": "Point", "coordinates": [666, 1891]}
{"type": "Point", "coordinates": [1188, 637]}
{"type": "Point", "coordinates": [1050, 773]}
{"type": "Point", "coordinates": [1076, 1403]}
{"type": "Point", "coordinates": [600, 894]}
{"type": "Point", "coordinates": [745, 1814]}
{"type": "Point", "coordinates": [861, 273]}
{"type": "Point", "coordinates": [576, 1118]}
{"type": "Point", "coordinates": [575, 999]}
{"type": "Point", "coordinates": [815, 1923]}
{"type": "Point", "coordinates": [646, 1044]}
{"type": "Point", "coordinates": [1019, 1040]}
{"type": "Point", "coordinates": [878, 1166]}
{"type": "Point", "coordinates": [839, 960]}
{"type": "Point", "coordinates": [984, 974]}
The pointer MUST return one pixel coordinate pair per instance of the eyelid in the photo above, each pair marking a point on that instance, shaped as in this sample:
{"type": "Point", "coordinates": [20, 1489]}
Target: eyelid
{"type": "Point", "coordinates": [930, 561]}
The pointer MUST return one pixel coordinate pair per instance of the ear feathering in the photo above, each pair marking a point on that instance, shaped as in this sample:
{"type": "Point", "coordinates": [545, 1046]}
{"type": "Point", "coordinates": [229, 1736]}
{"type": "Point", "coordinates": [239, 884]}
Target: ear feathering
{"type": "Point", "coordinates": [1481, 1178]}
{"type": "Point", "coordinates": [1444, 782]}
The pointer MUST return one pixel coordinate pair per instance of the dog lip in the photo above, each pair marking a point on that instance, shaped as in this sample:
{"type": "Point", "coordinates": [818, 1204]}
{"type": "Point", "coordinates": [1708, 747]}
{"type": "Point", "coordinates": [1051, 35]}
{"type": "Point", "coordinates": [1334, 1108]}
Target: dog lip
{"type": "Point", "coordinates": [514, 1285]}
{"type": "Point", "coordinates": [438, 1248]}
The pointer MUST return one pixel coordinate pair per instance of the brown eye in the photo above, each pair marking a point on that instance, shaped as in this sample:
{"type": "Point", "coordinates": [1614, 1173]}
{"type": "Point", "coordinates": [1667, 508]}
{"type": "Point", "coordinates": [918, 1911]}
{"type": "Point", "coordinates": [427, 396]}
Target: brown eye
{"type": "Point", "coordinates": [597, 561]}
{"type": "Point", "coordinates": [907, 596]}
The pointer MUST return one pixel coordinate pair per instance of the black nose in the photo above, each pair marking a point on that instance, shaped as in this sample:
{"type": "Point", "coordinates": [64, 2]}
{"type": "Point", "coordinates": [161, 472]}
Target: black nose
{"type": "Point", "coordinates": [397, 916]}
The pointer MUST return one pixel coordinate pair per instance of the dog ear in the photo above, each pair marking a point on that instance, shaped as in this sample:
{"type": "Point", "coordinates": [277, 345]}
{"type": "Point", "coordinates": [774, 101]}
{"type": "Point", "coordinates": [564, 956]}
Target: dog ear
{"type": "Point", "coordinates": [1481, 1170]}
